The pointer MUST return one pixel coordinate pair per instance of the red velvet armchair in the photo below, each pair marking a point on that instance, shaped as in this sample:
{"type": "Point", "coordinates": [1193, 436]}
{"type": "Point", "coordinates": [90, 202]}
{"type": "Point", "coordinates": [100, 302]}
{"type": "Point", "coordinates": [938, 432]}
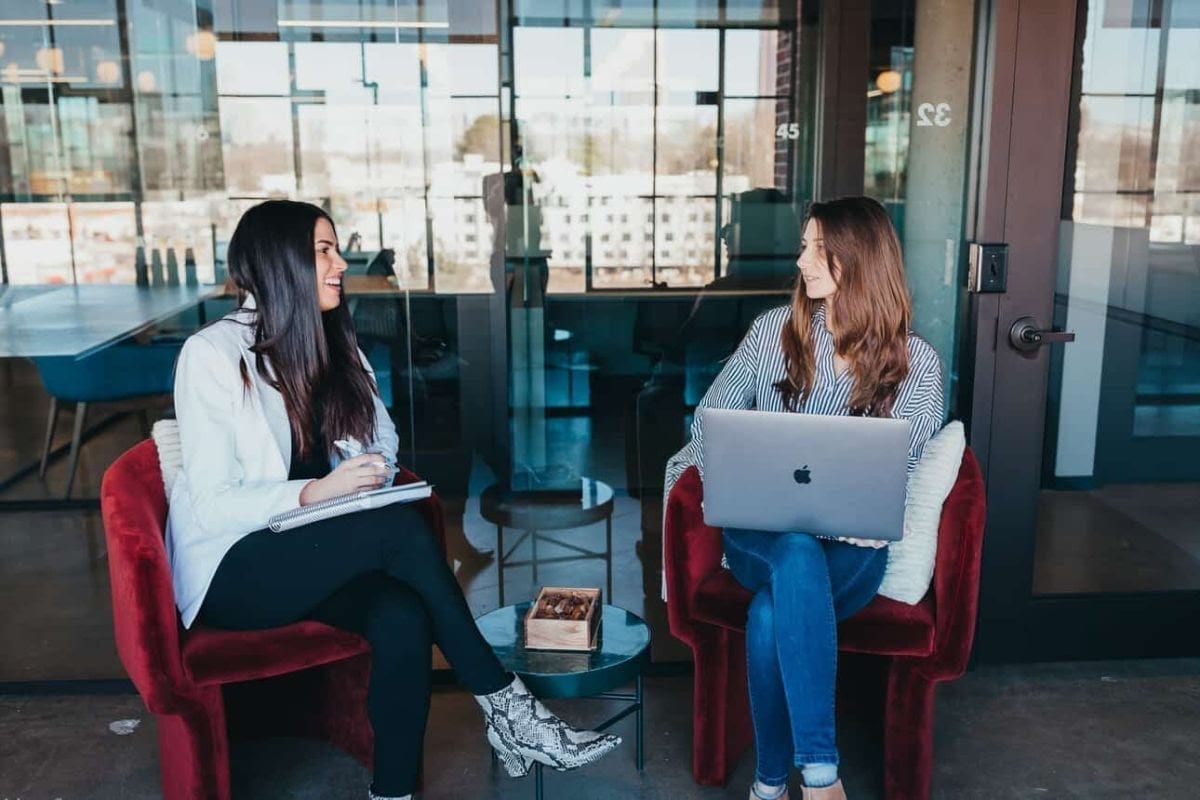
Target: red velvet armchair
{"type": "Point", "coordinates": [927, 643]}
{"type": "Point", "coordinates": [305, 679]}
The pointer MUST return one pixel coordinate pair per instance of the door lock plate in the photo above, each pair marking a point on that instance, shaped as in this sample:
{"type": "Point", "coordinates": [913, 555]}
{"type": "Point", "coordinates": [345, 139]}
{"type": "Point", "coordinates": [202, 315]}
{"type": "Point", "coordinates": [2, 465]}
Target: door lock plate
{"type": "Point", "coordinates": [987, 267]}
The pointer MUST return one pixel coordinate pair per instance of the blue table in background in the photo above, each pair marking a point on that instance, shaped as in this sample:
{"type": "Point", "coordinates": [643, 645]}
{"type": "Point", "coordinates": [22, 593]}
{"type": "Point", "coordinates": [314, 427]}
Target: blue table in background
{"type": "Point", "coordinates": [78, 320]}
{"type": "Point", "coordinates": [75, 322]}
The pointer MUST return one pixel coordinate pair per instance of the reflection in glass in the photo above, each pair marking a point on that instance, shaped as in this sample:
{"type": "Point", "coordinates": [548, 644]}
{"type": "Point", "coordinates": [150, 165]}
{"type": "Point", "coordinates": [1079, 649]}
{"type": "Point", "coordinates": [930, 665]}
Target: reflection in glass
{"type": "Point", "coordinates": [256, 136]}
{"type": "Point", "coordinates": [37, 242]}
{"type": "Point", "coordinates": [104, 237]}
{"type": "Point", "coordinates": [1119, 501]}
{"type": "Point", "coordinates": [538, 188]}
{"type": "Point", "coordinates": [183, 226]}
{"type": "Point", "coordinates": [258, 68]}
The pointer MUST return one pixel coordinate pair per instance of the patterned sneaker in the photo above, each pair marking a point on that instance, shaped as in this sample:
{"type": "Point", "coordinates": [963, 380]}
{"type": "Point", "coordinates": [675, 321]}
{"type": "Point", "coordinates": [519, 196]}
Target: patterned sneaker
{"type": "Point", "coordinates": [521, 730]}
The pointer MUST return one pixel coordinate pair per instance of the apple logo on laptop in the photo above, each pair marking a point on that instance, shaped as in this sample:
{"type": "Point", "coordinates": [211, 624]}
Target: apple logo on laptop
{"type": "Point", "coordinates": [802, 475]}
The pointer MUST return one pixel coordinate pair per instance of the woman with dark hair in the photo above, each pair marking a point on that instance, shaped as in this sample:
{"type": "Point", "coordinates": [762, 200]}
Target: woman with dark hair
{"type": "Point", "coordinates": [261, 397]}
{"type": "Point", "coordinates": [843, 346]}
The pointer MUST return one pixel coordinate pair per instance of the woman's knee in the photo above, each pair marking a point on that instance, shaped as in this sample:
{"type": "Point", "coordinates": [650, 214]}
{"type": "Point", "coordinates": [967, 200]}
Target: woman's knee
{"type": "Point", "coordinates": [761, 614]}
{"type": "Point", "coordinates": [398, 617]}
{"type": "Point", "coordinates": [406, 527]}
{"type": "Point", "coordinates": [796, 553]}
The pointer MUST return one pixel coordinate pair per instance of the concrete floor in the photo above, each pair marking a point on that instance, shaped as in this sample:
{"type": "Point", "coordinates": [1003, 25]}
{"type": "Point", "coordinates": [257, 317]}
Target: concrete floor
{"type": "Point", "coordinates": [1082, 730]}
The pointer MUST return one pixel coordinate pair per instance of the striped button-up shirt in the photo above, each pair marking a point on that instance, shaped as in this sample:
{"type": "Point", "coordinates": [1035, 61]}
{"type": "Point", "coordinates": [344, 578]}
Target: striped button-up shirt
{"type": "Point", "coordinates": [748, 382]}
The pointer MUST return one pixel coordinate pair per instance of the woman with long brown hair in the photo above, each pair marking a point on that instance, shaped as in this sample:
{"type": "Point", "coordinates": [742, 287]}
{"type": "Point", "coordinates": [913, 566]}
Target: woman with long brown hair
{"type": "Point", "coordinates": [843, 346]}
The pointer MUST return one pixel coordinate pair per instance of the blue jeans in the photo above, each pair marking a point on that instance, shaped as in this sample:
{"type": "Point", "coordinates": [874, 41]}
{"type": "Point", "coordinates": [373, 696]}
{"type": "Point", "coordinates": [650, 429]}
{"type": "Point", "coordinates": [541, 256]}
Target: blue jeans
{"type": "Point", "coordinates": [803, 586]}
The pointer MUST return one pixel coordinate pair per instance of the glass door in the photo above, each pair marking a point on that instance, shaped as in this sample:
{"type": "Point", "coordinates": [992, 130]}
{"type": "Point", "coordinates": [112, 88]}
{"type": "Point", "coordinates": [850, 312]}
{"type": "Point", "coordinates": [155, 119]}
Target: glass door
{"type": "Point", "coordinates": [1108, 536]}
{"type": "Point", "coordinates": [661, 156]}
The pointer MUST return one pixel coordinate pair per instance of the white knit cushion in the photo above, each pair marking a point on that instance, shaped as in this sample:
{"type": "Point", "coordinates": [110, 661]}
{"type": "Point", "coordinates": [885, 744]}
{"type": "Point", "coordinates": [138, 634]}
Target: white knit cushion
{"type": "Point", "coordinates": [170, 455]}
{"type": "Point", "coordinates": [910, 560]}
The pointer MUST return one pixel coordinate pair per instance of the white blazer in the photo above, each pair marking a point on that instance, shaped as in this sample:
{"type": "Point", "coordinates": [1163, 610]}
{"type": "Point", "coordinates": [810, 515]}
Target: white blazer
{"type": "Point", "coordinates": [237, 451]}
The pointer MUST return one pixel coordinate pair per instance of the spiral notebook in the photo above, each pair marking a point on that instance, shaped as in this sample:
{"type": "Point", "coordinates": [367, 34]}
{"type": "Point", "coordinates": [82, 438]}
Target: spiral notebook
{"type": "Point", "coordinates": [348, 504]}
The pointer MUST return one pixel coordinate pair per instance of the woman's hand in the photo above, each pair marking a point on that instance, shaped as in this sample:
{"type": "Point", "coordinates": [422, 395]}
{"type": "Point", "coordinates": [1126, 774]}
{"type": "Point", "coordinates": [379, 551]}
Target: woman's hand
{"type": "Point", "coordinates": [361, 473]}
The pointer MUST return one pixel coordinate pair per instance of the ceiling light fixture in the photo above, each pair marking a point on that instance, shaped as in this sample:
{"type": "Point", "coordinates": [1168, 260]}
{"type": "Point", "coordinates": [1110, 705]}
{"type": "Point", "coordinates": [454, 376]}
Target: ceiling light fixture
{"type": "Point", "coordinates": [62, 23]}
{"type": "Point", "coordinates": [339, 23]}
{"type": "Point", "coordinates": [888, 81]}
{"type": "Point", "coordinates": [202, 44]}
{"type": "Point", "coordinates": [50, 59]}
{"type": "Point", "coordinates": [108, 71]}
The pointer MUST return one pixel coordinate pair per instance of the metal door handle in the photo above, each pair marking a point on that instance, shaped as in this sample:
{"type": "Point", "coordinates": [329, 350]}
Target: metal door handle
{"type": "Point", "coordinates": [1026, 336]}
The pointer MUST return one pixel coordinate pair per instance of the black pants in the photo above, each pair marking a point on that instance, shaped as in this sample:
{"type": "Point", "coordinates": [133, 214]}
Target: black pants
{"type": "Point", "coordinates": [379, 573]}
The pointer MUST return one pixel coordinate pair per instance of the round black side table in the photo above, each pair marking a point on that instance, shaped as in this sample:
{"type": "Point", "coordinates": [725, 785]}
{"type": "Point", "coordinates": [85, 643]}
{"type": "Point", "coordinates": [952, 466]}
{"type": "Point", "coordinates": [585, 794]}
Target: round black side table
{"type": "Point", "coordinates": [552, 510]}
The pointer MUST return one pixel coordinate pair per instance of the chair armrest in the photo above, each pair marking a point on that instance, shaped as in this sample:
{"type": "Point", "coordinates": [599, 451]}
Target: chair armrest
{"type": "Point", "coordinates": [691, 551]}
{"type": "Point", "coordinates": [145, 623]}
{"type": "Point", "coordinates": [956, 576]}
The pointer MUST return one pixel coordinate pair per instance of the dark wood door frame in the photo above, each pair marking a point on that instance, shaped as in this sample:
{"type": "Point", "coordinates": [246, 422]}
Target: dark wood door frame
{"type": "Point", "coordinates": [1025, 57]}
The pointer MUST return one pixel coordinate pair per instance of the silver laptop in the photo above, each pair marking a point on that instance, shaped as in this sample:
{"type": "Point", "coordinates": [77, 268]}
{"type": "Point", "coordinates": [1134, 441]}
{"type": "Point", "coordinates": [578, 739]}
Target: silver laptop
{"type": "Point", "coordinates": [816, 473]}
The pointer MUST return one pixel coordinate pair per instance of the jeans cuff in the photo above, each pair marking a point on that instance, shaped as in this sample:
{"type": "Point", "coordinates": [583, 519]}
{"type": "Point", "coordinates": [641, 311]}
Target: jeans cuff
{"type": "Point", "coordinates": [770, 781]}
{"type": "Point", "coordinates": [819, 758]}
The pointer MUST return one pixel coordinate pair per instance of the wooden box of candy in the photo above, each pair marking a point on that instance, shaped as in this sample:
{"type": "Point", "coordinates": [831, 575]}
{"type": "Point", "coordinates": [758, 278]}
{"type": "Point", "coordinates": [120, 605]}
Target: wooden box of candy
{"type": "Point", "coordinates": [563, 618]}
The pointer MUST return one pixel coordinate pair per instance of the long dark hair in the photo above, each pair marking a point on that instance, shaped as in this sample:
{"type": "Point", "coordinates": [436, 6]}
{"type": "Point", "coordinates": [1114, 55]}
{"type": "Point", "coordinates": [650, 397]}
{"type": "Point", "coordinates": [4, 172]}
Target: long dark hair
{"type": "Point", "coordinates": [872, 310]}
{"type": "Point", "coordinates": [310, 356]}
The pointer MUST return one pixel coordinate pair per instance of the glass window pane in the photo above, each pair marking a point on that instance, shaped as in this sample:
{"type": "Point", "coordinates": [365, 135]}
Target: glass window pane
{"type": "Point", "coordinates": [97, 144]}
{"type": "Point", "coordinates": [105, 239]}
{"type": "Point", "coordinates": [38, 170]}
{"type": "Point", "coordinates": [1178, 165]}
{"type": "Point", "coordinates": [682, 241]}
{"type": "Point", "coordinates": [81, 48]}
{"type": "Point", "coordinates": [1118, 503]}
{"type": "Point", "coordinates": [752, 150]}
{"type": "Point", "coordinates": [37, 242]}
{"type": "Point", "coordinates": [554, 130]}
{"type": "Point", "coordinates": [549, 61]}
{"type": "Point", "coordinates": [469, 68]}
{"type": "Point", "coordinates": [625, 13]}
{"type": "Point", "coordinates": [252, 68]}
{"type": "Point", "coordinates": [397, 163]}
{"type": "Point", "coordinates": [622, 61]}
{"type": "Point", "coordinates": [687, 60]}
{"type": "Point", "coordinates": [180, 146]}
{"type": "Point", "coordinates": [404, 232]}
{"type": "Point", "coordinates": [461, 252]}
{"type": "Point", "coordinates": [618, 151]}
{"type": "Point", "coordinates": [553, 12]}
{"type": "Point", "coordinates": [336, 68]}
{"type": "Point", "coordinates": [476, 131]}
{"type": "Point", "coordinates": [396, 69]}
{"type": "Point", "coordinates": [688, 12]}
{"type": "Point", "coordinates": [750, 63]}
{"type": "Point", "coordinates": [687, 150]}
{"type": "Point", "coordinates": [333, 150]}
{"type": "Point", "coordinates": [1119, 60]}
{"type": "Point", "coordinates": [256, 135]}
{"type": "Point", "coordinates": [756, 11]}
{"type": "Point", "coordinates": [184, 226]}
{"type": "Point", "coordinates": [1114, 144]}
{"type": "Point", "coordinates": [622, 229]}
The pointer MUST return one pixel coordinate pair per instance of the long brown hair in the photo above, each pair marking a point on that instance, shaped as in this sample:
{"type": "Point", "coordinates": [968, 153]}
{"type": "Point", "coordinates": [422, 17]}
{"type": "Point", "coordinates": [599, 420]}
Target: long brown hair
{"type": "Point", "coordinates": [313, 354]}
{"type": "Point", "coordinates": [871, 309]}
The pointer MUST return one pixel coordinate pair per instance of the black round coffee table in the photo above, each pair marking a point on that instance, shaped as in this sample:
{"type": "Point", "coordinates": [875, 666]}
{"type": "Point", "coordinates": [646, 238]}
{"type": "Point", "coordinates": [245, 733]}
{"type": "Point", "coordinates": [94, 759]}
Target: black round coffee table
{"type": "Point", "coordinates": [622, 651]}
{"type": "Point", "coordinates": [549, 510]}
